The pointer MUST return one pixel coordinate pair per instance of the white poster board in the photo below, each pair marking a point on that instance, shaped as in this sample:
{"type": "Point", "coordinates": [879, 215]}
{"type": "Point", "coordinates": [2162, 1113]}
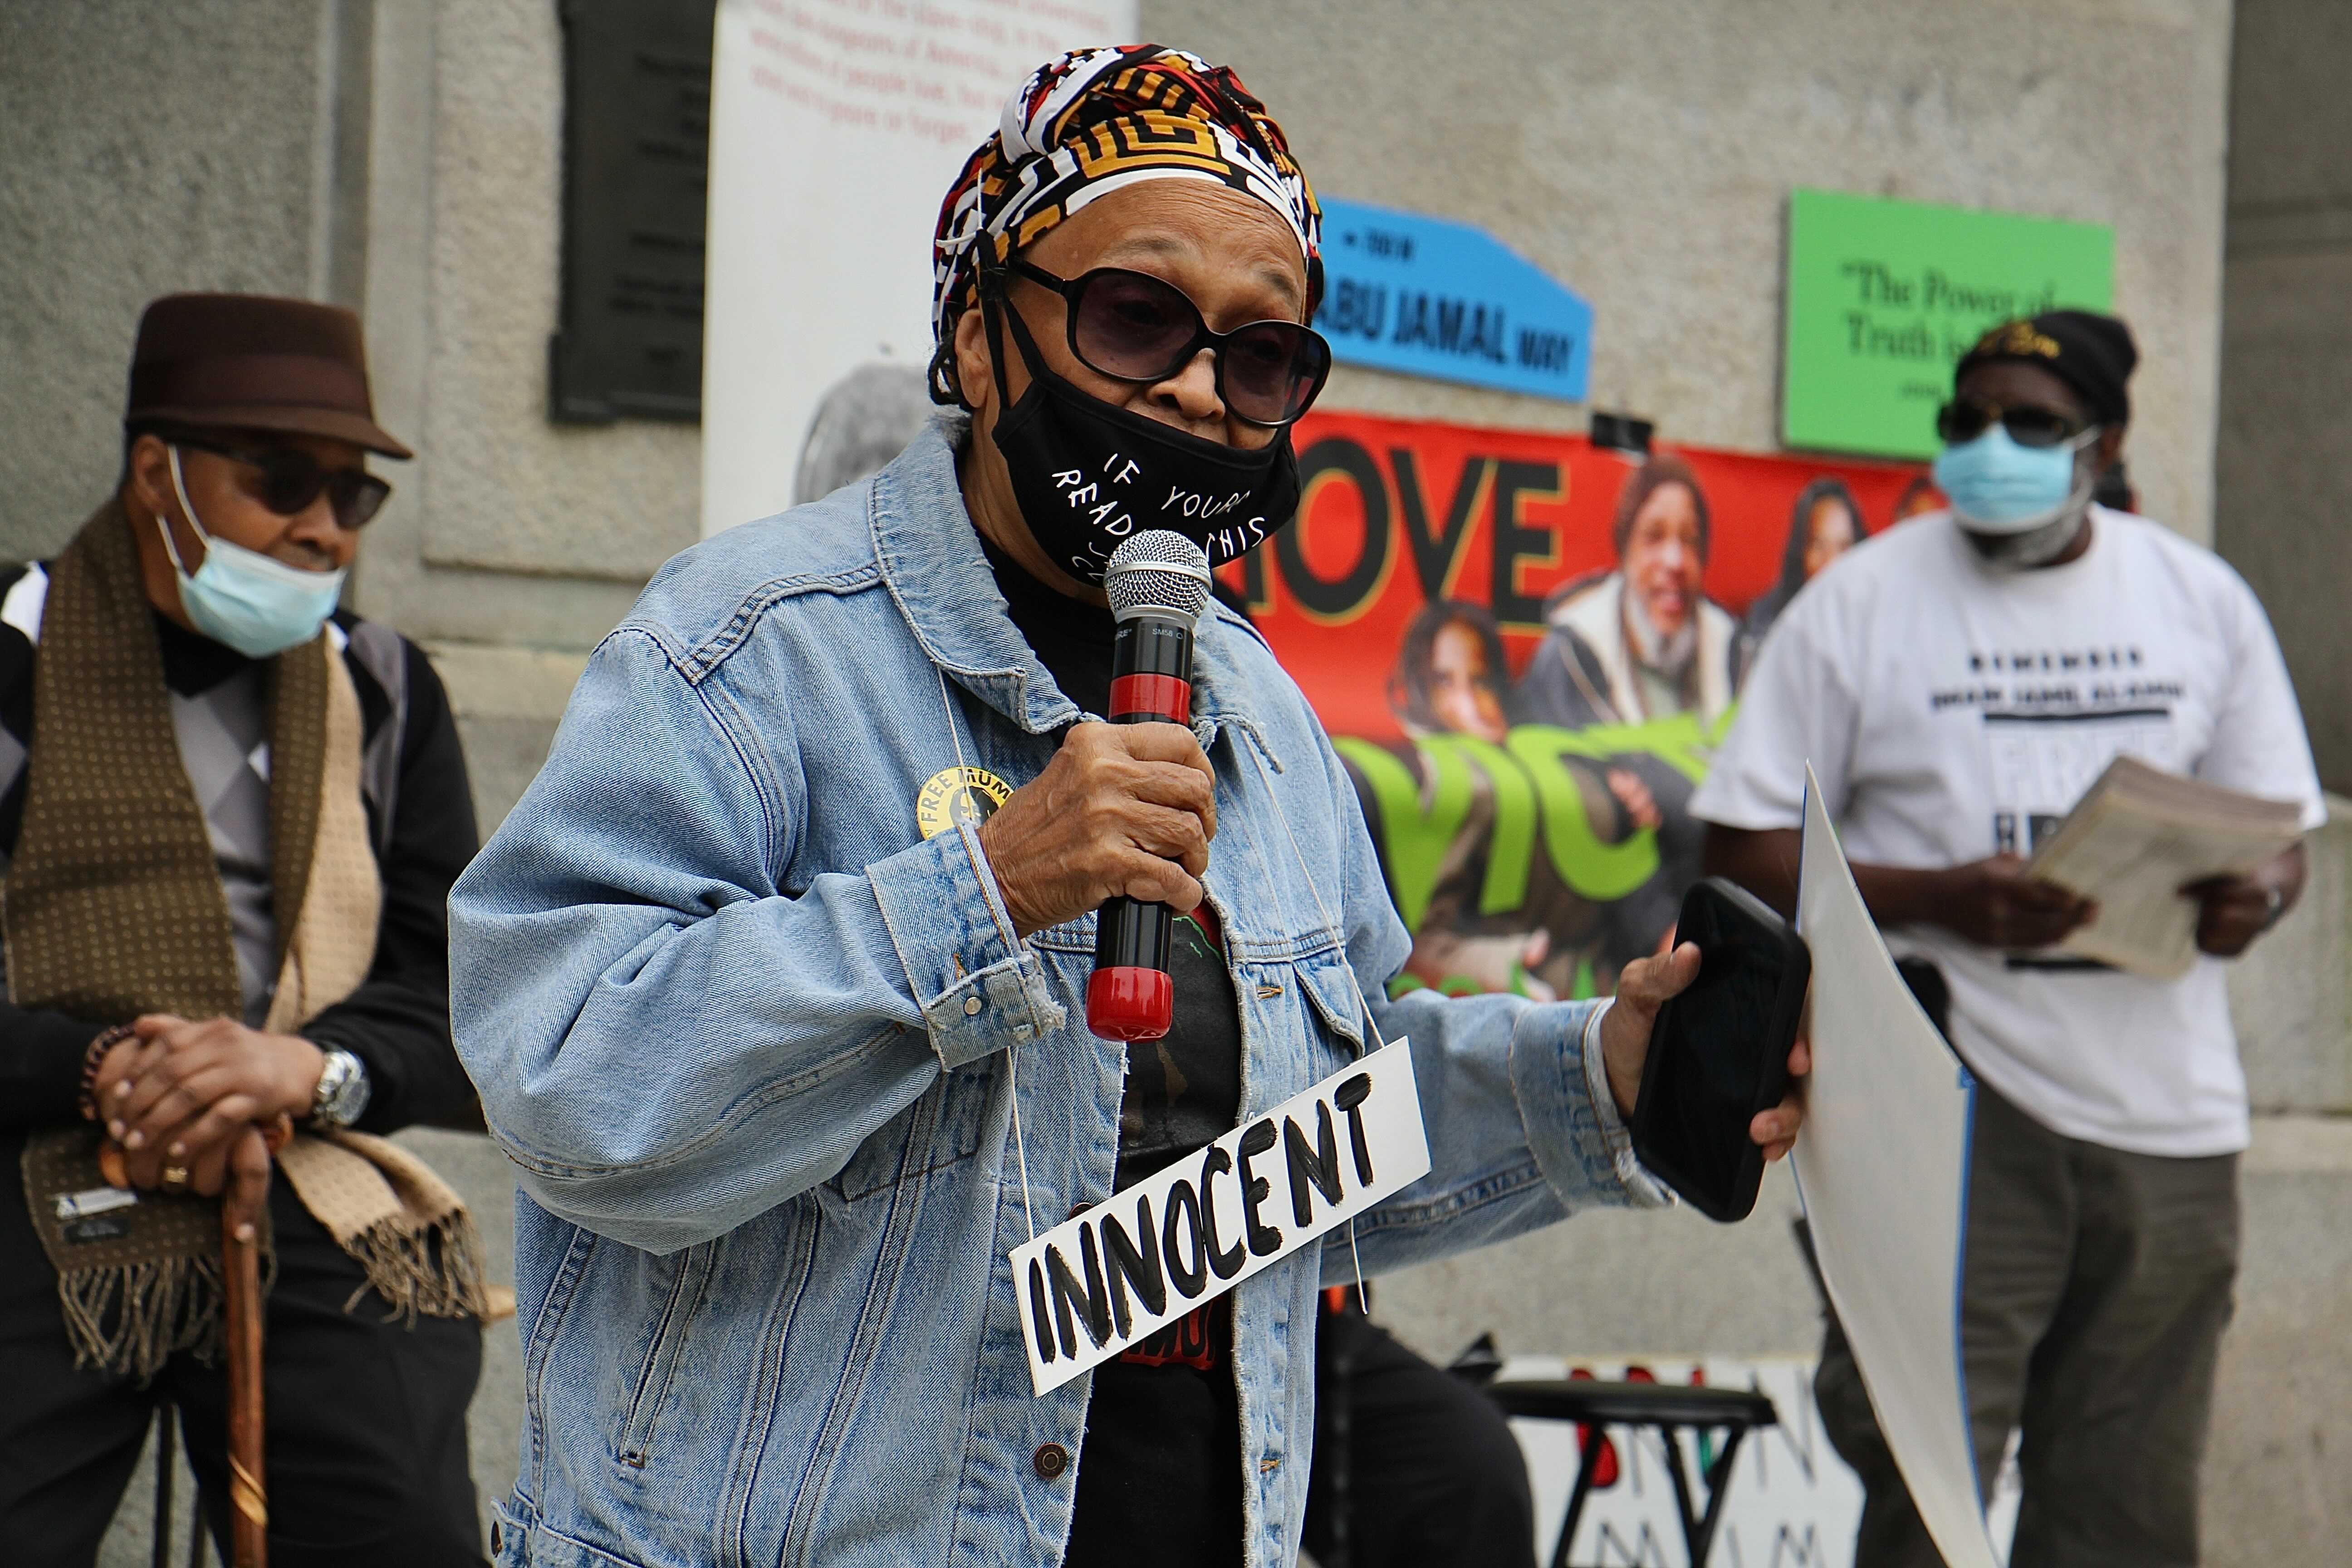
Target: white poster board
{"type": "Point", "coordinates": [1882, 1167]}
{"type": "Point", "coordinates": [835, 128]}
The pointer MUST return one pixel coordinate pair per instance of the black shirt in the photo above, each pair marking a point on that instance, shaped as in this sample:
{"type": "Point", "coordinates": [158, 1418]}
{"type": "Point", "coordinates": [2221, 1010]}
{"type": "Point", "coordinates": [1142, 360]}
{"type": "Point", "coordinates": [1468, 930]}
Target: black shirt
{"type": "Point", "coordinates": [1184, 1091]}
{"type": "Point", "coordinates": [193, 663]}
{"type": "Point", "coordinates": [1072, 638]}
{"type": "Point", "coordinates": [1160, 1474]}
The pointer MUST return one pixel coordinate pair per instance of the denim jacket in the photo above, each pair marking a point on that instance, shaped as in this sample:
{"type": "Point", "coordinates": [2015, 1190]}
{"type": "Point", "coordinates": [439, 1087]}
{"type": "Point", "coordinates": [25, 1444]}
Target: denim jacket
{"type": "Point", "coordinates": [755, 1045]}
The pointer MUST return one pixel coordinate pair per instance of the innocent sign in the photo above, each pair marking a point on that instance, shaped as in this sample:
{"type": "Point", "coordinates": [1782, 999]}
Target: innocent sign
{"type": "Point", "coordinates": [1097, 1283]}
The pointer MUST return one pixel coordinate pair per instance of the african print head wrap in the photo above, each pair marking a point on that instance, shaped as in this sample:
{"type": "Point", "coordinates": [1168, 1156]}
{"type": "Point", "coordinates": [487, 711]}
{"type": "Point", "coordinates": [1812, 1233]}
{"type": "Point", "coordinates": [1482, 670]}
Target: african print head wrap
{"type": "Point", "coordinates": [1089, 122]}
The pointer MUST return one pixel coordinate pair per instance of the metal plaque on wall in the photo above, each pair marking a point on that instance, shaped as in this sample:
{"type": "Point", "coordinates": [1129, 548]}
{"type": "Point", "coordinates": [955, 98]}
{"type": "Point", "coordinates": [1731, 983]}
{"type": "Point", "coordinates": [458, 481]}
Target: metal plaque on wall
{"type": "Point", "coordinates": [636, 142]}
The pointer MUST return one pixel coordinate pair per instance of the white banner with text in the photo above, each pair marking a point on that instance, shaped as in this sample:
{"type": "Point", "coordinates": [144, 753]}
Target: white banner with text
{"type": "Point", "coordinates": [1107, 1278]}
{"type": "Point", "coordinates": [836, 127]}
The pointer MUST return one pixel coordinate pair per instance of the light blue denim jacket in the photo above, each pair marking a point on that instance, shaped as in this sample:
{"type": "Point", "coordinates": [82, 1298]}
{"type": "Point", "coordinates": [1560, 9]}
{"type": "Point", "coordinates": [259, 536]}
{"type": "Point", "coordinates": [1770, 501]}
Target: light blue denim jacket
{"type": "Point", "coordinates": [752, 1044]}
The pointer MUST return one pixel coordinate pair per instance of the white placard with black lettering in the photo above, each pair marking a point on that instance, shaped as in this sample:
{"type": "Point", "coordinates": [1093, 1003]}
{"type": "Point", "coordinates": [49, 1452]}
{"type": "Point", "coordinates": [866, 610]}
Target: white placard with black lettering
{"type": "Point", "coordinates": [1104, 1279]}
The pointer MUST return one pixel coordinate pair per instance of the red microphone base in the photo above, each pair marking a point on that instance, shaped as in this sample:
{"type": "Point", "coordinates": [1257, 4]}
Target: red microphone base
{"type": "Point", "coordinates": [1130, 1003]}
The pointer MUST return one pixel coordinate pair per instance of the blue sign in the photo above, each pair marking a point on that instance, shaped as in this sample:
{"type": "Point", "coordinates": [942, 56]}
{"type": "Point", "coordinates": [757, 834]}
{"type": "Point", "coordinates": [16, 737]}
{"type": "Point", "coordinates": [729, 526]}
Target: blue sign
{"type": "Point", "coordinates": [1406, 292]}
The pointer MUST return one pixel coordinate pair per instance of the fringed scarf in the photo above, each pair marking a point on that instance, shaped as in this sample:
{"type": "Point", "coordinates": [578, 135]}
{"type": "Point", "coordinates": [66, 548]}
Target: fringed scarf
{"type": "Point", "coordinates": [113, 906]}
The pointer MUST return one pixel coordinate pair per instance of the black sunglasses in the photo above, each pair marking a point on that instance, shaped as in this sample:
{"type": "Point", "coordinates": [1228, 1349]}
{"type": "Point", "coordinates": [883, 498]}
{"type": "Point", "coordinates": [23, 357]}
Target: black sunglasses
{"type": "Point", "coordinates": [1131, 326]}
{"type": "Point", "coordinates": [291, 479]}
{"type": "Point", "coordinates": [1965, 419]}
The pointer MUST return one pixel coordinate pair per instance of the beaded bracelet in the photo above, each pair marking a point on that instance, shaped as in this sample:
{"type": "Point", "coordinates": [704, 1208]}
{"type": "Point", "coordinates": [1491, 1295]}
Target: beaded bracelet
{"type": "Point", "coordinates": [92, 1059]}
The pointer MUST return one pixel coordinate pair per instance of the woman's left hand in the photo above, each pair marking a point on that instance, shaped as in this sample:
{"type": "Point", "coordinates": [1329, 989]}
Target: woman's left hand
{"type": "Point", "coordinates": [1642, 987]}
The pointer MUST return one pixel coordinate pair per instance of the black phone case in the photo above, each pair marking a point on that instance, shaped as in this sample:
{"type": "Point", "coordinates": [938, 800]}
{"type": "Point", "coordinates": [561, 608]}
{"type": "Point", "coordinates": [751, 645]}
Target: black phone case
{"type": "Point", "coordinates": [1713, 899]}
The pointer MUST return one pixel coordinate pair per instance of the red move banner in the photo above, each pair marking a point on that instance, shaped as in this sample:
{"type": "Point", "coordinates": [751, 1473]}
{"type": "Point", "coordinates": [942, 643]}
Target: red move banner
{"type": "Point", "coordinates": [1525, 648]}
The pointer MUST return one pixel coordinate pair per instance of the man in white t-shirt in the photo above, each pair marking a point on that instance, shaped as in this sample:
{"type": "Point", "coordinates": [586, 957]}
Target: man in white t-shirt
{"type": "Point", "coordinates": [1957, 683]}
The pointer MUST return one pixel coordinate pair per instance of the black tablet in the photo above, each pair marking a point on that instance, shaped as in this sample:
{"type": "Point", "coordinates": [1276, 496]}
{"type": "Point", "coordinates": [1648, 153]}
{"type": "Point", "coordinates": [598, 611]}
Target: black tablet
{"type": "Point", "coordinates": [1720, 1051]}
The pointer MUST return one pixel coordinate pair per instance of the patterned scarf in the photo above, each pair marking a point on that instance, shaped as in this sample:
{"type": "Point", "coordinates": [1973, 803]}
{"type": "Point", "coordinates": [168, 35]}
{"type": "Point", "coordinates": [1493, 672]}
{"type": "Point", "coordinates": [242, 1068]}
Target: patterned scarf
{"type": "Point", "coordinates": [113, 906]}
{"type": "Point", "coordinates": [1092, 119]}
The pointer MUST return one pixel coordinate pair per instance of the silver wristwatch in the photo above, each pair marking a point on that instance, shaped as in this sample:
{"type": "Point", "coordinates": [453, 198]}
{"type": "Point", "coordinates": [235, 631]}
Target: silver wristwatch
{"type": "Point", "coordinates": [343, 1091]}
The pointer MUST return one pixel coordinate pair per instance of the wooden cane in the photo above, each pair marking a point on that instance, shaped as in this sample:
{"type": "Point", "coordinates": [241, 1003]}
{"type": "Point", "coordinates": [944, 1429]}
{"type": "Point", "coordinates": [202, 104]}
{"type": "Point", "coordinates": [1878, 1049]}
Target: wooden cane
{"type": "Point", "coordinates": [249, 1495]}
{"type": "Point", "coordinates": [249, 1499]}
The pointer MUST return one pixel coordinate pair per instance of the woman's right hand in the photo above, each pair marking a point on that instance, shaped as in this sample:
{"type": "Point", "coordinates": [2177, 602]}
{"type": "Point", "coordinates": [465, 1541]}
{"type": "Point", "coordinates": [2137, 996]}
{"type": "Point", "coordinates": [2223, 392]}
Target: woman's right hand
{"type": "Point", "coordinates": [1121, 809]}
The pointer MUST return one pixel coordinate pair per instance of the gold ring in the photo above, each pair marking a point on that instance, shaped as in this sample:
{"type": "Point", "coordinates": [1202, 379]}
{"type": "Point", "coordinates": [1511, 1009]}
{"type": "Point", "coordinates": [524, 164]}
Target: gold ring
{"type": "Point", "coordinates": [175, 1178]}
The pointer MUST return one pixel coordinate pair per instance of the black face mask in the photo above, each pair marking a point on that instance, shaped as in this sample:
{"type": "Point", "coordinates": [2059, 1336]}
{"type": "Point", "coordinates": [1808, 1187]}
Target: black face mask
{"type": "Point", "coordinates": [1088, 474]}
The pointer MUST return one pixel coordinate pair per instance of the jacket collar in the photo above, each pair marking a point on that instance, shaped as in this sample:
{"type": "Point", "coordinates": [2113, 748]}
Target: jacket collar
{"type": "Point", "coordinates": [930, 559]}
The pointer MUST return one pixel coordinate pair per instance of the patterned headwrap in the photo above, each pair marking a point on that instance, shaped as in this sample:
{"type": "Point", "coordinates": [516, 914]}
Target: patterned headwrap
{"type": "Point", "coordinates": [1089, 122]}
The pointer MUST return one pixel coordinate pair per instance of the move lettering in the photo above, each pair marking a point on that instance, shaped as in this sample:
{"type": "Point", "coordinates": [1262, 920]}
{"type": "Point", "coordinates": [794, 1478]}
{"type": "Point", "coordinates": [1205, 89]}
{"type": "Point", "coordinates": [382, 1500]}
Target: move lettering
{"type": "Point", "coordinates": [1344, 490]}
{"type": "Point", "coordinates": [1417, 797]}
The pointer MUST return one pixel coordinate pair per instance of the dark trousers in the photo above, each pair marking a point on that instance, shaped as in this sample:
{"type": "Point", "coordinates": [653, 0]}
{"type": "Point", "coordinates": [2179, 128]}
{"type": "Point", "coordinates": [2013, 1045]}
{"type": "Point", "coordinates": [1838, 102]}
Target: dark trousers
{"type": "Point", "coordinates": [1415, 1468]}
{"type": "Point", "coordinates": [365, 1419]}
{"type": "Point", "coordinates": [2096, 1288]}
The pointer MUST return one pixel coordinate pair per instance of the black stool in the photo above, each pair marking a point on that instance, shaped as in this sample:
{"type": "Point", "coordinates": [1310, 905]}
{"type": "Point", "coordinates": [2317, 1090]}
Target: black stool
{"type": "Point", "coordinates": [1668, 1408]}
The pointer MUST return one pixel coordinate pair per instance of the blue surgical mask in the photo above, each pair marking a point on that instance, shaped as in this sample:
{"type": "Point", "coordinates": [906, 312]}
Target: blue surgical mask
{"type": "Point", "coordinates": [1998, 487]}
{"type": "Point", "coordinates": [253, 603]}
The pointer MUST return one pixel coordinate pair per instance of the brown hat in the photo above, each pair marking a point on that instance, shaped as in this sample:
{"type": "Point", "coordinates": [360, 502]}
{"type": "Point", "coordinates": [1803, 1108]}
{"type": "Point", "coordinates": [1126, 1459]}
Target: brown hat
{"type": "Point", "coordinates": [248, 362]}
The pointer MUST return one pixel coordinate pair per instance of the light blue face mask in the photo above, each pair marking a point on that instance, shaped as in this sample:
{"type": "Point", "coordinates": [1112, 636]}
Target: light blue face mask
{"type": "Point", "coordinates": [1998, 487]}
{"type": "Point", "coordinates": [254, 603]}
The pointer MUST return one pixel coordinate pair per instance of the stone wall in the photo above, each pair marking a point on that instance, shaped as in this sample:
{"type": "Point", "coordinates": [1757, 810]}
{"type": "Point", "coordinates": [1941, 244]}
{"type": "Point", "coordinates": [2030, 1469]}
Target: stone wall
{"type": "Point", "coordinates": [509, 531]}
{"type": "Point", "coordinates": [1644, 155]}
{"type": "Point", "coordinates": [2287, 355]}
{"type": "Point", "coordinates": [144, 148]}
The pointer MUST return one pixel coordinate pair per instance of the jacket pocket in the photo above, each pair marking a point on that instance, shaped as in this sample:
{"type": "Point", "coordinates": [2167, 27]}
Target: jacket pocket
{"type": "Point", "coordinates": [942, 1126]}
{"type": "Point", "coordinates": [689, 1286]}
{"type": "Point", "coordinates": [1330, 991]}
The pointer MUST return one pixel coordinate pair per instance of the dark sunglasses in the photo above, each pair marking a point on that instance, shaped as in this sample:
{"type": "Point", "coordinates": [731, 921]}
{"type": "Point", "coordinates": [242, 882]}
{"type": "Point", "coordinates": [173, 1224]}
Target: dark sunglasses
{"type": "Point", "coordinates": [1965, 419]}
{"type": "Point", "coordinates": [1131, 326]}
{"type": "Point", "coordinates": [291, 479]}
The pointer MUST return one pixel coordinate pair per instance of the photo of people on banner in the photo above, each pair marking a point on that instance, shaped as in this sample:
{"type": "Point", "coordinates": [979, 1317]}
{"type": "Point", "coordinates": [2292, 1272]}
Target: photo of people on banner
{"type": "Point", "coordinates": [1525, 648]}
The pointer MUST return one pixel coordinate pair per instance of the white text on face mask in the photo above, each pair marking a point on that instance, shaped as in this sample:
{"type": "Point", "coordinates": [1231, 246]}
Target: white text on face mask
{"type": "Point", "coordinates": [1193, 504]}
{"type": "Point", "coordinates": [1081, 495]}
{"type": "Point", "coordinates": [1067, 477]}
{"type": "Point", "coordinates": [1237, 539]}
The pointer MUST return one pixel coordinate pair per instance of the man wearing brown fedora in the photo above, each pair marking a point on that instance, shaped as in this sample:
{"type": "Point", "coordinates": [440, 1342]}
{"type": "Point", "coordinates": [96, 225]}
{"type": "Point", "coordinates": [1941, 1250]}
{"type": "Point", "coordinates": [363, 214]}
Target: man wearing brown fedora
{"type": "Point", "coordinates": [230, 814]}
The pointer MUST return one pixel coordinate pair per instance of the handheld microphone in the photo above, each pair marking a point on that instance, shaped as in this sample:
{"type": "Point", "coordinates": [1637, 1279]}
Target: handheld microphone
{"type": "Point", "coordinates": [1159, 583]}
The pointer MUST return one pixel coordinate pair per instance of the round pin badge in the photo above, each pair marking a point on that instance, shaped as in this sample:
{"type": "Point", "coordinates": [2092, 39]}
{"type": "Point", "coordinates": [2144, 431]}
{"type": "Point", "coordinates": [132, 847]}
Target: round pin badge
{"type": "Point", "coordinates": [957, 794]}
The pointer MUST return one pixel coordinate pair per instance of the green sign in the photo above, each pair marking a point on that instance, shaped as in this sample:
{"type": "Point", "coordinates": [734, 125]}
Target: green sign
{"type": "Point", "coordinates": [1885, 297]}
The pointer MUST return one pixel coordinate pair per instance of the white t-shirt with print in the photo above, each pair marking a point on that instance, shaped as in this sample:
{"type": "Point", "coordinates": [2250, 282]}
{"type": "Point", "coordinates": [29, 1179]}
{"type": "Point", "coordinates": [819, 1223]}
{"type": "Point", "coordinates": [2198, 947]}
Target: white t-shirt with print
{"type": "Point", "coordinates": [1953, 710]}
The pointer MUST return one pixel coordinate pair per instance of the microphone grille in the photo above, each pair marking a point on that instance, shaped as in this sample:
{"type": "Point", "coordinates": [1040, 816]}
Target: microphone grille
{"type": "Point", "coordinates": [1157, 572]}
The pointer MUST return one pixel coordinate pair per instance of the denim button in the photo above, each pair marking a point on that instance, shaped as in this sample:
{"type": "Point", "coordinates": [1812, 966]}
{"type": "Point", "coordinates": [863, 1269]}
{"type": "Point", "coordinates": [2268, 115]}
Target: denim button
{"type": "Point", "coordinates": [970, 1005]}
{"type": "Point", "coordinates": [1050, 1459]}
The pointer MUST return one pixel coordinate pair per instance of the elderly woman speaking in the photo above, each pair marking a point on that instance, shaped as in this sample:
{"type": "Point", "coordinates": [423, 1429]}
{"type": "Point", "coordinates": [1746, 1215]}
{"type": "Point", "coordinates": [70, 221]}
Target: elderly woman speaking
{"type": "Point", "coordinates": [773, 983]}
